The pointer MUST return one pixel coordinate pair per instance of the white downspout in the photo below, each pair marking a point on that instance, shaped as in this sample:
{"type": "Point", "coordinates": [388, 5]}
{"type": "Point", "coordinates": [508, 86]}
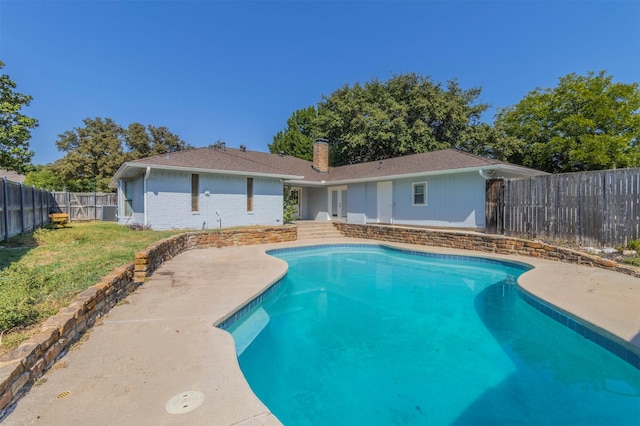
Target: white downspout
{"type": "Point", "coordinates": [146, 210]}
{"type": "Point", "coordinates": [120, 199]}
{"type": "Point", "coordinates": [485, 177]}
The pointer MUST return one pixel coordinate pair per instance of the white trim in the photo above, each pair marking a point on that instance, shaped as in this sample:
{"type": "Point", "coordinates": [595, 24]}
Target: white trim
{"type": "Point", "coordinates": [128, 166]}
{"type": "Point", "coordinates": [339, 213]}
{"type": "Point", "coordinates": [144, 195]}
{"type": "Point", "coordinates": [413, 194]}
{"type": "Point", "coordinates": [523, 171]}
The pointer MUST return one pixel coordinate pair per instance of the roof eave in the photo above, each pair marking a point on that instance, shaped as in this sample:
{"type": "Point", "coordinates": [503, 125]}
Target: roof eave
{"type": "Point", "coordinates": [522, 171]}
{"type": "Point", "coordinates": [127, 166]}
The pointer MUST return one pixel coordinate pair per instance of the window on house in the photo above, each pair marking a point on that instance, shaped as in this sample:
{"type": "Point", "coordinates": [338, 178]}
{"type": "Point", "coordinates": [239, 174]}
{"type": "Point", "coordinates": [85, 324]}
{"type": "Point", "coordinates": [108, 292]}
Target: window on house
{"type": "Point", "coordinates": [195, 190]}
{"type": "Point", "coordinates": [420, 194]}
{"type": "Point", "coordinates": [249, 194]}
{"type": "Point", "coordinates": [128, 199]}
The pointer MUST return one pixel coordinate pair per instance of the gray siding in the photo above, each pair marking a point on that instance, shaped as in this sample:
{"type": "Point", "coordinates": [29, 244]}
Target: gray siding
{"type": "Point", "coordinates": [452, 201]}
{"type": "Point", "coordinates": [455, 200]}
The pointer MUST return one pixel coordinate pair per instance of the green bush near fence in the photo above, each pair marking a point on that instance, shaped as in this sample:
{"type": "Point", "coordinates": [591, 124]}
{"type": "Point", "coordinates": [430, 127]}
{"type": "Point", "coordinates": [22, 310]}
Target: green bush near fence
{"type": "Point", "coordinates": [41, 272]}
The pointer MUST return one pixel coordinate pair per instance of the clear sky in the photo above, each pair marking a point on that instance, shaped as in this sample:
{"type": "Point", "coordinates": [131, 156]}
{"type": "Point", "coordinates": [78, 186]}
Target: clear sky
{"type": "Point", "coordinates": [236, 70]}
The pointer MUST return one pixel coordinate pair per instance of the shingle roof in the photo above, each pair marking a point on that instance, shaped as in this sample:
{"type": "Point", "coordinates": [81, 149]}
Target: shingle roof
{"type": "Point", "coordinates": [229, 159]}
{"type": "Point", "coordinates": [448, 159]}
{"type": "Point", "coordinates": [254, 162]}
{"type": "Point", "coordinates": [12, 176]}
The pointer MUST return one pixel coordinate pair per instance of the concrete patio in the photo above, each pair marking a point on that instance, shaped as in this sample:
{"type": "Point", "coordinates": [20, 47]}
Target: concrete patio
{"type": "Point", "coordinates": [160, 342]}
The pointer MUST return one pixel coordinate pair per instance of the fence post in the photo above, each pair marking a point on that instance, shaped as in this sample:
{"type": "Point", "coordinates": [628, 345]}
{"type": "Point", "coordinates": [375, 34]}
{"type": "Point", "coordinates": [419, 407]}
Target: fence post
{"type": "Point", "coordinates": [21, 208]}
{"type": "Point", "coordinates": [33, 202]}
{"type": "Point", "coordinates": [5, 205]}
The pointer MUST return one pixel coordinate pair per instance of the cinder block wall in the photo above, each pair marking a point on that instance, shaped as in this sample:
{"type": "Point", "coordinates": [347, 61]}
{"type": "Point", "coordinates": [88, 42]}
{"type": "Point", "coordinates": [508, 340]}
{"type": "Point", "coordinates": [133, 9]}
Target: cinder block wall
{"type": "Point", "coordinates": [22, 366]}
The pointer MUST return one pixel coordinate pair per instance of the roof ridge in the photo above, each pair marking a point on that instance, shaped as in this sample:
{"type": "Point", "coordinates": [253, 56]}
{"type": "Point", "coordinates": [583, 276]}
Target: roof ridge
{"type": "Point", "coordinates": [469, 154]}
{"type": "Point", "coordinates": [262, 163]}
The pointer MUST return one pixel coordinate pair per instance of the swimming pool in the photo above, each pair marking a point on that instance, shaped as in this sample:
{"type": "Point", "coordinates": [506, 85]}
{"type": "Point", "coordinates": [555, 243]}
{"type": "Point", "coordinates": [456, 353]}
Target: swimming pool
{"type": "Point", "coordinates": [367, 335]}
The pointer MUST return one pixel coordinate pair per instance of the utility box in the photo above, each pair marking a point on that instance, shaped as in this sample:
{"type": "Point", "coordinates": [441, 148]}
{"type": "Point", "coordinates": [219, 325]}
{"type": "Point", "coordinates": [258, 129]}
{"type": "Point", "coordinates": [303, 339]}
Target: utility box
{"type": "Point", "coordinates": [109, 213]}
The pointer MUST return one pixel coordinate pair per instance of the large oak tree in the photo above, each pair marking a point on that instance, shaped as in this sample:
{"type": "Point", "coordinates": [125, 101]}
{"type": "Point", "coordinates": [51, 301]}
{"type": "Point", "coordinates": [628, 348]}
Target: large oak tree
{"type": "Point", "coordinates": [406, 114]}
{"type": "Point", "coordinates": [586, 122]}
{"type": "Point", "coordinates": [95, 151]}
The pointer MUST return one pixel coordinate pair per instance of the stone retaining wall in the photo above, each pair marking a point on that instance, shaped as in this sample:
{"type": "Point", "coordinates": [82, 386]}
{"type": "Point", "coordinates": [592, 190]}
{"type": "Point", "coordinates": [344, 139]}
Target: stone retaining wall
{"type": "Point", "coordinates": [20, 368]}
{"type": "Point", "coordinates": [480, 242]}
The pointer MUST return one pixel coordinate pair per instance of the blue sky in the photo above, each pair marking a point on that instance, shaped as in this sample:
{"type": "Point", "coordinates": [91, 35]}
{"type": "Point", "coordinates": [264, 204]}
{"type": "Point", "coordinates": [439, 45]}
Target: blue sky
{"type": "Point", "coordinates": [236, 70]}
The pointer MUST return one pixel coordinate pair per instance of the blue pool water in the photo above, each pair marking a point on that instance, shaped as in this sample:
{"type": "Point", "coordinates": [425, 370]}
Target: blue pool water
{"type": "Point", "coordinates": [375, 336]}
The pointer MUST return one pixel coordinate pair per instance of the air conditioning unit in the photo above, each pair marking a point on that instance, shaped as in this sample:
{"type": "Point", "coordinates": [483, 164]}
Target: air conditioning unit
{"type": "Point", "coordinates": [110, 213]}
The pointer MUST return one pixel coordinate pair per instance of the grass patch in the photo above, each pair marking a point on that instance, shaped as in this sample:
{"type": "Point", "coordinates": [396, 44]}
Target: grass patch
{"type": "Point", "coordinates": [635, 261]}
{"type": "Point", "coordinates": [42, 271]}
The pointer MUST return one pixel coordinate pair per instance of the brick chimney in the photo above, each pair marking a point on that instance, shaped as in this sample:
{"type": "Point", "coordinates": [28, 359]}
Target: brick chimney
{"type": "Point", "coordinates": [321, 155]}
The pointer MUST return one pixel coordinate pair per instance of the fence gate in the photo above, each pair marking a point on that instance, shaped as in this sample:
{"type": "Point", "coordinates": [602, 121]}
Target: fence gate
{"type": "Point", "coordinates": [493, 207]}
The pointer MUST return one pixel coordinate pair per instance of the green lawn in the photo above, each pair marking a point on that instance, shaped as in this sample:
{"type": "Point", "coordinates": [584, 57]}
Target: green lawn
{"type": "Point", "coordinates": [42, 272]}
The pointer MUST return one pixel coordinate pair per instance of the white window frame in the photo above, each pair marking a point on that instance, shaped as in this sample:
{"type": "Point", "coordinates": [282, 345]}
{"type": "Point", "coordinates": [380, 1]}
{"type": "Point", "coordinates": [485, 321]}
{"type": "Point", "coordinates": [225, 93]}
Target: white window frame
{"type": "Point", "coordinates": [413, 193]}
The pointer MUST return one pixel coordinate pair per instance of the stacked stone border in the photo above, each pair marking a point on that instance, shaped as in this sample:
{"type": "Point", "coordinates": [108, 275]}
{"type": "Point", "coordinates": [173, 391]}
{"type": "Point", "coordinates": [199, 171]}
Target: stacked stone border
{"type": "Point", "coordinates": [22, 367]}
{"type": "Point", "coordinates": [480, 242]}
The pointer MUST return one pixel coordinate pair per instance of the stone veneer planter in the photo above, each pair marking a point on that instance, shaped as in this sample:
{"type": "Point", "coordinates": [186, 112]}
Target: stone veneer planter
{"type": "Point", "coordinates": [22, 366]}
{"type": "Point", "coordinates": [479, 242]}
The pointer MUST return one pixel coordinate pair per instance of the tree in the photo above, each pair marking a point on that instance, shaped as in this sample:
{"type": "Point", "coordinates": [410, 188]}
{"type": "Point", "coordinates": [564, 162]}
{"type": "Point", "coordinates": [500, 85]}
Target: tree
{"type": "Point", "coordinates": [93, 154]}
{"type": "Point", "coordinates": [297, 138]}
{"type": "Point", "coordinates": [584, 123]}
{"type": "Point", "coordinates": [96, 151]}
{"type": "Point", "coordinates": [405, 115]}
{"type": "Point", "coordinates": [45, 177]}
{"type": "Point", "coordinates": [149, 141]}
{"type": "Point", "coordinates": [15, 127]}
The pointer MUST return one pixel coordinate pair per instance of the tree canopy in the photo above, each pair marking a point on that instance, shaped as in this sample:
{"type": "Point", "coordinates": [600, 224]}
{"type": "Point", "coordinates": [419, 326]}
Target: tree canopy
{"type": "Point", "coordinates": [406, 114]}
{"type": "Point", "coordinates": [584, 123]}
{"type": "Point", "coordinates": [149, 141]}
{"type": "Point", "coordinates": [15, 127]}
{"type": "Point", "coordinates": [93, 154]}
{"type": "Point", "coordinates": [95, 151]}
{"type": "Point", "coordinates": [297, 138]}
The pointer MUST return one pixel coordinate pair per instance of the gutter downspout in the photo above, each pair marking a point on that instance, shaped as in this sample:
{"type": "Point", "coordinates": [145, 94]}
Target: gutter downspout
{"type": "Point", "coordinates": [144, 190]}
{"type": "Point", "coordinates": [485, 177]}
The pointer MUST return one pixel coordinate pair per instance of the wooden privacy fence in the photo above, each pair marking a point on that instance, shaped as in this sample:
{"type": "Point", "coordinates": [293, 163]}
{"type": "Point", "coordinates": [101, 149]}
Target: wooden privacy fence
{"type": "Point", "coordinates": [25, 208]}
{"type": "Point", "coordinates": [22, 208]}
{"type": "Point", "coordinates": [588, 208]}
{"type": "Point", "coordinates": [87, 205]}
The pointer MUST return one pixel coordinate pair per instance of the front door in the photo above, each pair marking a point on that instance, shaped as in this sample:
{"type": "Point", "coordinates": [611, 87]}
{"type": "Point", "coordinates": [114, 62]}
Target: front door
{"type": "Point", "coordinates": [385, 202]}
{"type": "Point", "coordinates": [338, 203]}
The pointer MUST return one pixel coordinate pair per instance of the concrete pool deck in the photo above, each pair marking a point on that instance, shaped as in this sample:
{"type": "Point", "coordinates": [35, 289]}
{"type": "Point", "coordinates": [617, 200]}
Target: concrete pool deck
{"type": "Point", "coordinates": [160, 342]}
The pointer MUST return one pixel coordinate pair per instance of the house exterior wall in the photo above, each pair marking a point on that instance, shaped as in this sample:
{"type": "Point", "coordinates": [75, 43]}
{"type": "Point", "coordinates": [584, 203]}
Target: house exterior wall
{"type": "Point", "coordinates": [357, 203]}
{"type": "Point", "coordinates": [137, 204]}
{"type": "Point", "coordinates": [317, 207]}
{"type": "Point", "coordinates": [455, 200]}
{"type": "Point", "coordinates": [169, 201]}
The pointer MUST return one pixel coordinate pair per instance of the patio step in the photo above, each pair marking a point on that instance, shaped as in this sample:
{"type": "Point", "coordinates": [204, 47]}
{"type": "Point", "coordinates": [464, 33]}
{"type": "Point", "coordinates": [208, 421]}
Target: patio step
{"type": "Point", "coordinates": [311, 229]}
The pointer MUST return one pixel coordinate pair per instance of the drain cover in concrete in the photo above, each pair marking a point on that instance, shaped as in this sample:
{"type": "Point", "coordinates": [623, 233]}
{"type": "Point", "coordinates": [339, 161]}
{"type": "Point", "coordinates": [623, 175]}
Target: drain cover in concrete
{"type": "Point", "coordinates": [184, 402]}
